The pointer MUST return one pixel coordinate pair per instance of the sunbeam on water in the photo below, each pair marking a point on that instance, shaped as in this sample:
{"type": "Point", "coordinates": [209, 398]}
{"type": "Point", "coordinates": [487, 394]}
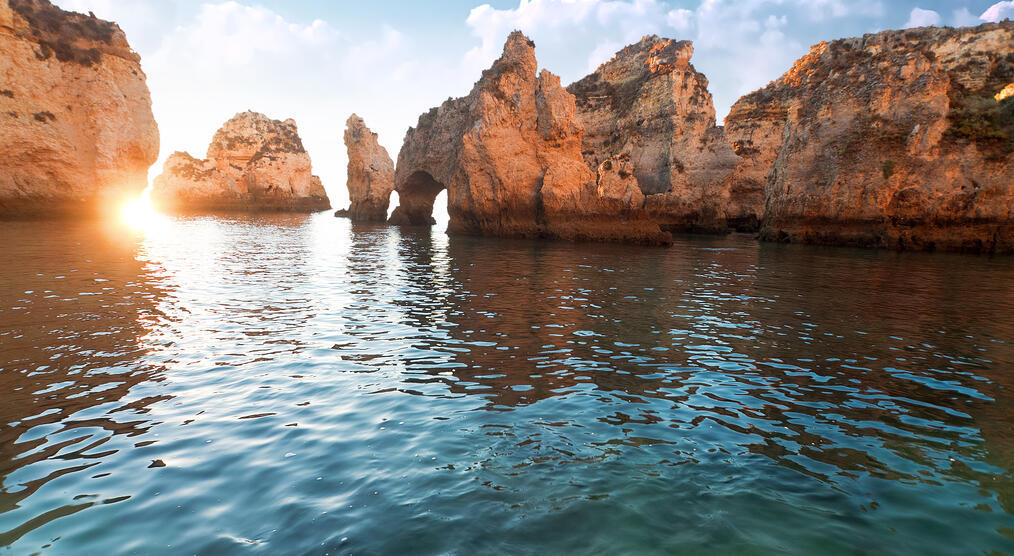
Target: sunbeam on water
{"type": "Point", "coordinates": [304, 385]}
{"type": "Point", "coordinates": [139, 214]}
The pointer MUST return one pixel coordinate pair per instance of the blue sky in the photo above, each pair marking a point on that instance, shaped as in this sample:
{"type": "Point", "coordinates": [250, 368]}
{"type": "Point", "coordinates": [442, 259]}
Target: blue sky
{"type": "Point", "coordinates": [318, 61]}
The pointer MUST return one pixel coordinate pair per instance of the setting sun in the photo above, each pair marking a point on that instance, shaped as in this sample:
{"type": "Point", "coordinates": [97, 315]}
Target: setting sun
{"type": "Point", "coordinates": [139, 213]}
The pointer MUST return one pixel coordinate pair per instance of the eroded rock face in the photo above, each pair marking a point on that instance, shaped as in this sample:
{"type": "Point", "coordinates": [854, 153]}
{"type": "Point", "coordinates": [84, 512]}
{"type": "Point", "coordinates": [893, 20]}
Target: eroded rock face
{"type": "Point", "coordinates": [254, 163]}
{"type": "Point", "coordinates": [370, 173]}
{"type": "Point", "coordinates": [77, 133]}
{"type": "Point", "coordinates": [497, 151]}
{"type": "Point", "coordinates": [896, 139]}
{"type": "Point", "coordinates": [650, 104]}
{"type": "Point", "coordinates": [901, 139]}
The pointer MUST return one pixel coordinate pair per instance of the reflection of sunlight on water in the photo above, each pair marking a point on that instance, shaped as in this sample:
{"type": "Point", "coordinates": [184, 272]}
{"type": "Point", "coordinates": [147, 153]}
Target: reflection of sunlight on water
{"type": "Point", "coordinates": [140, 215]}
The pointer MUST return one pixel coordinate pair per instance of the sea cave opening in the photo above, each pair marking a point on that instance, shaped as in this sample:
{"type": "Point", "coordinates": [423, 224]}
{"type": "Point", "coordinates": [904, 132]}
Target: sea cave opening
{"type": "Point", "coordinates": [416, 199]}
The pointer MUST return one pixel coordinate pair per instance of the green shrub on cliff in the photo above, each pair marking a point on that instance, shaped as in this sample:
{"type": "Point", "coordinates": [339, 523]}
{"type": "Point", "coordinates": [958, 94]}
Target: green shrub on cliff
{"type": "Point", "coordinates": [984, 121]}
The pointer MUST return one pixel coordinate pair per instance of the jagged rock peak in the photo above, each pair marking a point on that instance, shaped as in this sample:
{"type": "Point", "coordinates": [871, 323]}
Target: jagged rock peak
{"type": "Point", "coordinates": [652, 54]}
{"type": "Point", "coordinates": [496, 151]}
{"type": "Point", "coordinates": [64, 35]}
{"type": "Point", "coordinates": [250, 133]}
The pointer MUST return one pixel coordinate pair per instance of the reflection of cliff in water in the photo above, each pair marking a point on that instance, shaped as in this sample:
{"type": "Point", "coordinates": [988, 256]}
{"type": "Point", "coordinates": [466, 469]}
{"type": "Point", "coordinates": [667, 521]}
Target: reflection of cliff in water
{"type": "Point", "coordinates": [74, 323]}
{"type": "Point", "coordinates": [702, 335]}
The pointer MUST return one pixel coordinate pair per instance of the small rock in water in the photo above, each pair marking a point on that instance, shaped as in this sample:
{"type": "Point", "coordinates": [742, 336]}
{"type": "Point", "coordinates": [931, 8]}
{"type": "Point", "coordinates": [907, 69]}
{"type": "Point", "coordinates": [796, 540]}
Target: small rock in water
{"type": "Point", "coordinates": [156, 463]}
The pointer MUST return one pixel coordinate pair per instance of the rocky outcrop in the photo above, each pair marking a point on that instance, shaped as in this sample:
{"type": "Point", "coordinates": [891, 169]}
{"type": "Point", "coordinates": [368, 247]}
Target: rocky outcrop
{"type": "Point", "coordinates": [901, 139]}
{"type": "Point", "coordinates": [494, 150]}
{"type": "Point", "coordinates": [509, 155]}
{"type": "Point", "coordinates": [253, 164]}
{"type": "Point", "coordinates": [77, 134]}
{"type": "Point", "coordinates": [898, 139]}
{"type": "Point", "coordinates": [370, 173]}
{"type": "Point", "coordinates": [649, 104]}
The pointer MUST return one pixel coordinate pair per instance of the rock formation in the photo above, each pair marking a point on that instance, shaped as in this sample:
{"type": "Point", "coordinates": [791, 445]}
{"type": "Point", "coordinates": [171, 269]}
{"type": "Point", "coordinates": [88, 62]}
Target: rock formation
{"type": "Point", "coordinates": [370, 174]}
{"type": "Point", "coordinates": [898, 139]}
{"type": "Point", "coordinates": [901, 139]}
{"type": "Point", "coordinates": [77, 133]}
{"type": "Point", "coordinates": [253, 164]}
{"type": "Point", "coordinates": [491, 150]}
{"type": "Point", "coordinates": [649, 104]}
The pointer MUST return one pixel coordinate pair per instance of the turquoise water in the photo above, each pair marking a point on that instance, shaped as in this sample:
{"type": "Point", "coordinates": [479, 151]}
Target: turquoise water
{"type": "Point", "coordinates": [300, 385]}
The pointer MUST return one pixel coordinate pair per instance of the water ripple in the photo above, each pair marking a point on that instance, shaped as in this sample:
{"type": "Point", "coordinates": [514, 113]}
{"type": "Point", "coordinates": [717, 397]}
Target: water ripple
{"type": "Point", "coordinates": [290, 384]}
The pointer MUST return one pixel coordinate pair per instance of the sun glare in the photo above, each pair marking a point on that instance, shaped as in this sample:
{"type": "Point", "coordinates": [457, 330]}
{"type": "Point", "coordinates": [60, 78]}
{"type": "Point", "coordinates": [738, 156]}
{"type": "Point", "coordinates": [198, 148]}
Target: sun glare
{"type": "Point", "coordinates": [139, 214]}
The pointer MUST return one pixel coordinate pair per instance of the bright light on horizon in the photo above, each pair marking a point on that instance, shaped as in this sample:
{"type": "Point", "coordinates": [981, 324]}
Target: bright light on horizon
{"type": "Point", "coordinates": [139, 214]}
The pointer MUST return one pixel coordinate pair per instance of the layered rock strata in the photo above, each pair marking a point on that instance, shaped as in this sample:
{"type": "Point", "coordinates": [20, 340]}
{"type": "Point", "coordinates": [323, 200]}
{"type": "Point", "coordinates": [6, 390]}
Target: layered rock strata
{"type": "Point", "coordinates": [370, 174]}
{"type": "Point", "coordinates": [253, 164]}
{"type": "Point", "coordinates": [77, 134]}
{"type": "Point", "coordinates": [900, 139]}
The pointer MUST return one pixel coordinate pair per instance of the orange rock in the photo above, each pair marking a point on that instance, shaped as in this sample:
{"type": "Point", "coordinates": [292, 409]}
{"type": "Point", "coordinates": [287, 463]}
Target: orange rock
{"type": "Point", "coordinates": [370, 173]}
{"type": "Point", "coordinates": [253, 163]}
{"type": "Point", "coordinates": [650, 104]}
{"type": "Point", "coordinates": [890, 140]}
{"type": "Point", "coordinates": [76, 129]}
{"type": "Point", "coordinates": [496, 151]}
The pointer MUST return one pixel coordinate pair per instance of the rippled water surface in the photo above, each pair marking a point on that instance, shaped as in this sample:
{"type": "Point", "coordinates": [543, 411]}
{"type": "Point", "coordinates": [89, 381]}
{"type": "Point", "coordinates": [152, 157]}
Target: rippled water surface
{"type": "Point", "coordinates": [300, 385]}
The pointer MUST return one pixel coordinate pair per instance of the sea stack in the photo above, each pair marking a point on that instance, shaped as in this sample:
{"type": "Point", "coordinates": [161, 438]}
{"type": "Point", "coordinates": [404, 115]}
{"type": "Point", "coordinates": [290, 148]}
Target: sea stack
{"type": "Point", "coordinates": [77, 134]}
{"type": "Point", "coordinates": [253, 164]}
{"type": "Point", "coordinates": [900, 139]}
{"type": "Point", "coordinates": [370, 173]}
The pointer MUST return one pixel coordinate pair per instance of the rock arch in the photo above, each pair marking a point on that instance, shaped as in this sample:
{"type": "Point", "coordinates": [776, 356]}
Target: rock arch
{"type": "Point", "coordinates": [416, 194]}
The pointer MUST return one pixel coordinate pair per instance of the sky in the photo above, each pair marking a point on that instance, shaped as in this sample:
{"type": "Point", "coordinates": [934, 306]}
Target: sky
{"type": "Point", "coordinates": [318, 61]}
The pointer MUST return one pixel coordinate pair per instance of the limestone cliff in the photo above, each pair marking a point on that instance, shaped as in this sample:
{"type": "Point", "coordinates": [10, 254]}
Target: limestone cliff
{"type": "Point", "coordinates": [649, 104]}
{"type": "Point", "coordinates": [492, 149]}
{"type": "Point", "coordinates": [77, 134]}
{"type": "Point", "coordinates": [899, 139]}
{"type": "Point", "coordinates": [253, 163]}
{"type": "Point", "coordinates": [509, 155]}
{"type": "Point", "coordinates": [370, 173]}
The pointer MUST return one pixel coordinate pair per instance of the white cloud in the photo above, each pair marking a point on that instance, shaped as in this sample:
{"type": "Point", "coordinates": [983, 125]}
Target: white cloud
{"type": "Point", "coordinates": [680, 19]}
{"type": "Point", "coordinates": [999, 11]}
{"type": "Point", "coordinates": [964, 18]}
{"type": "Point", "coordinates": [561, 23]}
{"type": "Point", "coordinates": [922, 18]}
{"type": "Point", "coordinates": [819, 10]}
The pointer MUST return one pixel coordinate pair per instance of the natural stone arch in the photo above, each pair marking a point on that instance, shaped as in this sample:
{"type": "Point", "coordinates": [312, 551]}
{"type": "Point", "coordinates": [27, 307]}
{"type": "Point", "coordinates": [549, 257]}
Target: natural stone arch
{"type": "Point", "coordinates": [415, 199]}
